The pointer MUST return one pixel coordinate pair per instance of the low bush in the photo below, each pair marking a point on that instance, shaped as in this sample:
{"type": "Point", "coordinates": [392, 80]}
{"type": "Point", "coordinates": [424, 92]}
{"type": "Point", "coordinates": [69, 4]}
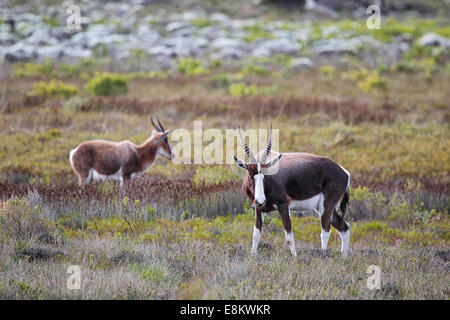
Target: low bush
{"type": "Point", "coordinates": [373, 82]}
{"type": "Point", "coordinates": [252, 69]}
{"type": "Point", "coordinates": [327, 71]}
{"type": "Point", "coordinates": [106, 84]}
{"type": "Point", "coordinates": [54, 88]}
{"type": "Point", "coordinates": [191, 67]}
{"type": "Point", "coordinates": [31, 69]}
{"type": "Point", "coordinates": [241, 89]}
{"type": "Point", "coordinates": [255, 32]}
{"type": "Point", "coordinates": [22, 222]}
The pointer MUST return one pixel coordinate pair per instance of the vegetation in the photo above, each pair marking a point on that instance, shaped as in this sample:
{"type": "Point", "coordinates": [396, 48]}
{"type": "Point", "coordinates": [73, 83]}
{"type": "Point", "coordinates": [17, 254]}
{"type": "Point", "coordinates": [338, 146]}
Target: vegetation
{"type": "Point", "coordinates": [184, 231]}
{"type": "Point", "coordinates": [191, 67]}
{"type": "Point", "coordinates": [107, 84]}
{"type": "Point", "coordinates": [54, 89]}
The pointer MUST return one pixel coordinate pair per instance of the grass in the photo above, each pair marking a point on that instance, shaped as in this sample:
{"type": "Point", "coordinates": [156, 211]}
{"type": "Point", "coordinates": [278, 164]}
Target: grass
{"type": "Point", "coordinates": [128, 246]}
{"type": "Point", "coordinates": [199, 269]}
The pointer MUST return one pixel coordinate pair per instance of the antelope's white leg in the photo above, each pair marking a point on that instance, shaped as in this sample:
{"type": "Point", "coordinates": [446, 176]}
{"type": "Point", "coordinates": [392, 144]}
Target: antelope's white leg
{"type": "Point", "coordinates": [291, 242]}
{"type": "Point", "coordinates": [345, 241]}
{"type": "Point", "coordinates": [324, 236]}
{"type": "Point", "coordinates": [256, 237]}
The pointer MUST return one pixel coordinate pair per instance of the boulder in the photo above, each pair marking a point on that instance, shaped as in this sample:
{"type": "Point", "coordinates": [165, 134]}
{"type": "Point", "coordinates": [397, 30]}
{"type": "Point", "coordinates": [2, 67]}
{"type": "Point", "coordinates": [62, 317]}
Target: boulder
{"type": "Point", "coordinates": [281, 46]}
{"type": "Point", "coordinates": [301, 64]}
{"type": "Point", "coordinates": [20, 52]}
{"type": "Point", "coordinates": [433, 40]}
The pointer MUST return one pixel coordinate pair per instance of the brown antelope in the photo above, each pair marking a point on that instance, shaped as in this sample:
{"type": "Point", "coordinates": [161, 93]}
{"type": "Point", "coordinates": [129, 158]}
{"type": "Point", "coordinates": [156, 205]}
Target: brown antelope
{"type": "Point", "coordinates": [302, 181]}
{"type": "Point", "coordinates": [101, 160]}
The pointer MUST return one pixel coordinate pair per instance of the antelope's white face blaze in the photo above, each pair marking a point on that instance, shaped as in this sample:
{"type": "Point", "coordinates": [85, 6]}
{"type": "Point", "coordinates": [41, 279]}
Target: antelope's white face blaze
{"type": "Point", "coordinates": [260, 197]}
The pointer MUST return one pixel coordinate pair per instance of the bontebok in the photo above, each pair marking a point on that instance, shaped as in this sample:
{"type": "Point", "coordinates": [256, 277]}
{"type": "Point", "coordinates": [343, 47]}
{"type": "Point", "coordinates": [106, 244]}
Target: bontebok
{"type": "Point", "coordinates": [302, 181]}
{"type": "Point", "coordinates": [100, 160]}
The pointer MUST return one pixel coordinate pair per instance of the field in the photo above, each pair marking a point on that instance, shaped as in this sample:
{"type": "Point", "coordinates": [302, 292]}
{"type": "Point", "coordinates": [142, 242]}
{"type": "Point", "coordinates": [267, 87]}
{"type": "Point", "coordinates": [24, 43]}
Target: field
{"type": "Point", "coordinates": [184, 231]}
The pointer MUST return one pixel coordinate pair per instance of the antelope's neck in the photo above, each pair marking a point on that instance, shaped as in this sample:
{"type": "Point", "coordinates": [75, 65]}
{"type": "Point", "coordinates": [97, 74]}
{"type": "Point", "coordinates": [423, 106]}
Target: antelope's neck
{"type": "Point", "coordinates": [147, 153]}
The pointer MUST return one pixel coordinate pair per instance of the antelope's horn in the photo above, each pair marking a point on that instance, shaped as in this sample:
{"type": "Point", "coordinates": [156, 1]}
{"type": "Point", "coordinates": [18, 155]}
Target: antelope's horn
{"type": "Point", "coordinates": [161, 126]}
{"type": "Point", "coordinates": [245, 147]}
{"type": "Point", "coordinates": [156, 127]}
{"type": "Point", "coordinates": [268, 148]}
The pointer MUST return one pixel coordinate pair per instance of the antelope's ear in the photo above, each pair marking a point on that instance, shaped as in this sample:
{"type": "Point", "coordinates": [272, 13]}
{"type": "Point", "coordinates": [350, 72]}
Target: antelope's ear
{"type": "Point", "coordinates": [240, 163]}
{"type": "Point", "coordinates": [274, 161]}
{"type": "Point", "coordinates": [164, 135]}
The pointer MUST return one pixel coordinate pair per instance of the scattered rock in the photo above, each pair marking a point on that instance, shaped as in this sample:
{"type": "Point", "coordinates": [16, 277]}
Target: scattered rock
{"type": "Point", "coordinates": [318, 8]}
{"type": "Point", "coordinates": [335, 46]}
{"type": "Point", "coordinates": [177, 25]}
{"type": "Point", "coordinates": [8, 39]}
{"type": "Point", "coordinates": [281, 46]}
{"type": "Point", "coordinates": [229, 54]}
{"type": "Point", "coordinates": [433, 40]}
{"type": "Point", "coordinates": [20, 52]}
{"type": "Point", "coordinates": [118, 31]}
{"type": "Point", "coordinates": [51, 52]}
{"type": "Point", "coordinates": [220, 18]}
{"type": "Point", "coordinates": [301, 64]}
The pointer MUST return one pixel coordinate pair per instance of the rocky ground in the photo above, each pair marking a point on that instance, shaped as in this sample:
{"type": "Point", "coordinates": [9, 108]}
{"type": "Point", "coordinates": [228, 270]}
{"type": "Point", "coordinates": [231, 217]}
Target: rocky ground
{"type": "Point", "coordinates": [158, 35]}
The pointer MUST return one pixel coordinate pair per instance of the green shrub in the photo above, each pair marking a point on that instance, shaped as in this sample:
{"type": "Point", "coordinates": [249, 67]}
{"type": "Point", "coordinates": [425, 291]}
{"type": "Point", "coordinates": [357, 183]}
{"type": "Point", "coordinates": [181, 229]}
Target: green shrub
{"type": "Point", "coordinates": [155, 273]}
{"type": "Point", "coordinates": [241, 89]}
{"type": "Point", "coordinates": [373, 82]}
{"type": "Point", "coordinates": [70, 70]}
{"type": "Point", "coordinates": [444, 31]}
{"type": "Point", "coordinates": [405, 66]}
{"type": "Point", "coordinates": [107, 84]}
{"type": "Point", "coordinates": [221, 81]}
{"type": "Point", "coordinates": [54, 88]}
{"type": "Point", "coordinates": [145, 75]}
{"type": "Point", "coordinates": [355, 75]}
{"type": "Point", "coordinates": [48, 135]}
{"type": "Point", "coordinates": [252, 69]}
{"type": "Point", "coordinates": [201, 22]}
{"type": "Point", "coordinates": [217, 63]}
{"type": "Point", "coordinates": [191, 67]}
{"type": "Point", "coordinates": [51, 21]}
{"type": "Point", "coordinates": [31, 69]}
{"type": "Point", "coordinates": [327, 71]}
{"type": "Point", "coordinates": [76, 103]}
{"type": "Point", "coordinates": [255, 32]}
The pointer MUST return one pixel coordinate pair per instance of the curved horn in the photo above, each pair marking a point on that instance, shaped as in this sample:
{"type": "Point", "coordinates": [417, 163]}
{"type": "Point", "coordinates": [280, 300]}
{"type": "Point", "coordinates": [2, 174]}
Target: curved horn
{"type": "Point", "coordinates": [156, 127]}
{"type": "Point", "coordinates": [160, 125]}
{"type": "Point", "coordinates": [245, 147]}
{"type": "Point", "coordinates": [268, 148]}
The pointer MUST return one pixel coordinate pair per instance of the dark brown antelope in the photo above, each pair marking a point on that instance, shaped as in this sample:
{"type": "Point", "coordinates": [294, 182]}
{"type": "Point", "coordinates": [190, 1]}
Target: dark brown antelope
{"type": "Point", "coordinates": [97, 160]}
{"type": "Point", "coordinates": [298, 181]}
